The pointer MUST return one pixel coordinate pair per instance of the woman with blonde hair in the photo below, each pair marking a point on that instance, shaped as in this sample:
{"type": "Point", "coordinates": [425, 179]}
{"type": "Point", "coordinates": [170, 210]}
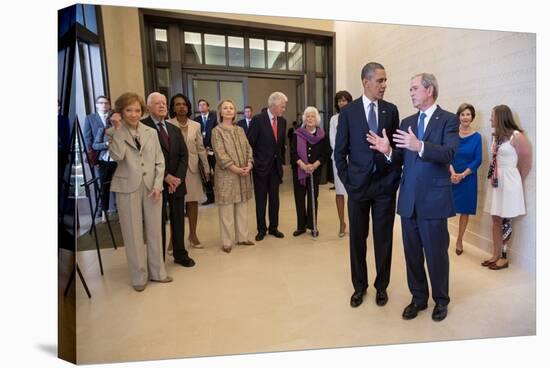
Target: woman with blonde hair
{"type": "Point", "coordinates": [232, 180]}
{"type": "Point", "coordinates": [510, 164]}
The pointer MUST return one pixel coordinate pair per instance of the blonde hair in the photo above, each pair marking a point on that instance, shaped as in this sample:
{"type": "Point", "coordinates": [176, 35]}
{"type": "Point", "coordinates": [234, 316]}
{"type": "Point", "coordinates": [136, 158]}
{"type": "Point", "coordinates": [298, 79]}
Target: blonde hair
{"type": "Point", "coordinates": [314, 110]}
{"type": "Point", "coordinates": [219, 115]}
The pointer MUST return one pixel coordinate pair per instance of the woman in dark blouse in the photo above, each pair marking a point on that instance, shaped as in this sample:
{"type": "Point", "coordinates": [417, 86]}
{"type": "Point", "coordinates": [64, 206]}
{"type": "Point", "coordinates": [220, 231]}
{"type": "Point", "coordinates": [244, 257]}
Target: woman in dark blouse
{"type": "Point", "coordinates": [310, 149]}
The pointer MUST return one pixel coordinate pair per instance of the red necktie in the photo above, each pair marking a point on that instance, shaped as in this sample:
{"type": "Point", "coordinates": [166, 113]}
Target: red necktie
{"type": "Point", "coordinates": [274, 127]}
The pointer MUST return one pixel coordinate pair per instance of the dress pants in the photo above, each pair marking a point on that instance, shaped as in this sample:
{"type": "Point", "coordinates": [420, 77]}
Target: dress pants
{"type": "Point", "coordinates": [176, 212]}
{"type": "Point", "coordinates": [429, 238]}
{"type": "Point", "coordinates": [135, 210]}
{"type": "Point", "coordinates": [382, 206]}
{"type": "Point", "coordinates": [106, 171]}
{"type": "Point", "coordinates": [233, 217]}
{"type": "Point", "coordinates": [302, 194]}
{"type": "Point", "coordinates": [264, 187]}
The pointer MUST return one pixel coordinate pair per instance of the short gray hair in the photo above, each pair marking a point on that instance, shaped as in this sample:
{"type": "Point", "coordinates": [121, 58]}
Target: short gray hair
{"type": "Point", "coordinates": [369, 69]}
{"type": "Point", "coordinates": [153, 95]}
{"type": "Point", "coordinates": [314, 110]}
{"type": "Point", "coordinates": [276, 98]}
{"type": "Point", "coordinates": [428, 80]}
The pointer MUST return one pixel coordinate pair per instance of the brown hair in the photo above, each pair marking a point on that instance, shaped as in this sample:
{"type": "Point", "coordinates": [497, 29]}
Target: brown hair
{"type": "Point", "coordinates": [504, 122]}
{"type": "Point", "coordinates": [466, 106]}
{"type": "Point", "coordinates": [129, 98]}
{"type": "Point", "coordinates": [219, 115]}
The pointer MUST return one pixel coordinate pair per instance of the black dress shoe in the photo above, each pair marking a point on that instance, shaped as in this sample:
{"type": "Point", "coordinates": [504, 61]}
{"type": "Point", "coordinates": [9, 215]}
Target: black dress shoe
{"type": "Point", "coordinates": [185, 262]}
{"type": "Point", "coordinates": [357, 298]}
{"type": "Point", "coordinates": [411, 310]}
{"type": "Point", "coordinates": [381, 297]}
{"type": "Point", "coordinates": [276, 233]}
{"type": "Point", "coordinates": [298, 232]}
{"type": "Point", "coordinates": [260, 236]}
{"type": "Point", "coordinates": [439, 313]}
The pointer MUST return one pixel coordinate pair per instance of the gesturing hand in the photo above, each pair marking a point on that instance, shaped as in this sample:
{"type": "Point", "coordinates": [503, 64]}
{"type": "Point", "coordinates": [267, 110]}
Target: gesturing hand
{"type": "Point", "coordinates": [381, 144]}
{"type": "Point", "coordinates": [407, 140]}
{"type": "Point", "coordinates": [116, 120]}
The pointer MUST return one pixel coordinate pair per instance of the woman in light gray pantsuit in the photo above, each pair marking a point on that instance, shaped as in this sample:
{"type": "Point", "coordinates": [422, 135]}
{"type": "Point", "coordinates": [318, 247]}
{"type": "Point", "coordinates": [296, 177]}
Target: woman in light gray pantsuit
{"type": "Point", "coordinates": [138, 183]}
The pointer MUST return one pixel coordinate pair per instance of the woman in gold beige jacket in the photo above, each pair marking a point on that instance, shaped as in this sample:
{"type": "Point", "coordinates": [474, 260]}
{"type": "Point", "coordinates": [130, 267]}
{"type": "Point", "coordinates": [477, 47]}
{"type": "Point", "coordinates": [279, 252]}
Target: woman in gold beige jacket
{"type": "Point", "coordinates": [180, 110]}
{"type": "Point", "coordinates": [232, 184]}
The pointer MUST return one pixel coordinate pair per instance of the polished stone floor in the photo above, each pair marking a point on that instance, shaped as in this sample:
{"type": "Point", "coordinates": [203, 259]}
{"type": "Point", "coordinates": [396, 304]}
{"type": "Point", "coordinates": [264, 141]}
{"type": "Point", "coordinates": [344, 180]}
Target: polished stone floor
{"type": "Point", "coordinates": [284, 294]}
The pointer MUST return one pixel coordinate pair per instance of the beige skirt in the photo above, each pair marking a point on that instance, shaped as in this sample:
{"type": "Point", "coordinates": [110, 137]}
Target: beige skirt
{"type": "Point", "coordinates": [195, 192]}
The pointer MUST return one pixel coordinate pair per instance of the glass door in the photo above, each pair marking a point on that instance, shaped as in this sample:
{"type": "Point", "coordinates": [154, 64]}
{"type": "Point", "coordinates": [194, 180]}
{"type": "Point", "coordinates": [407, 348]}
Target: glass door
{"type": "Point", "coordinates": [214, 88]}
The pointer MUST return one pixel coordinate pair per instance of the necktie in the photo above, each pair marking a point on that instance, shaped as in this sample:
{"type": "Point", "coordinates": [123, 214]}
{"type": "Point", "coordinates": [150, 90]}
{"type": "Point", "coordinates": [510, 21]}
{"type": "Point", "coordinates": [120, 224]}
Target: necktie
{"type": "Point", "coordinates": [371, 120]}
{"type": "Point", "coordinates": [274, 127]}
{"type": "Point", "coordinates": [163, 135]}
{"type": "Point", "coordinates": [421, 125]}
{"type": "Point", "coordinates": [204, 122]}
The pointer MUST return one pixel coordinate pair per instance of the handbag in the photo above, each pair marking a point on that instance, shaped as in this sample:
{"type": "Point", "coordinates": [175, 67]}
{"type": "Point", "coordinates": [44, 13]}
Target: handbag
{"type": "Point", "coordinates": [202, 172]}
{"type": "Point", "coordinates": [92, 157]}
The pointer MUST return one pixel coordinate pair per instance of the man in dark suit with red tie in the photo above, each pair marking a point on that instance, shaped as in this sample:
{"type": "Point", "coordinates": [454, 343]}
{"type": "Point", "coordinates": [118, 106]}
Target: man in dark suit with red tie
{"type": "Point", "coordinates": [427, 141]}
{"type": "Point", "coordinates": [266, 135]}
{"type": "Point", "coordinates": [371, 180]}
{"type": "Point", "coordinates": [175, 159]}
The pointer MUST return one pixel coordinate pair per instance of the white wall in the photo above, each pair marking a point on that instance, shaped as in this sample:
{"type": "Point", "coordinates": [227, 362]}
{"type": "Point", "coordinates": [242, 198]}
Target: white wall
{"type": "Point", "coordinates": [484, 68]}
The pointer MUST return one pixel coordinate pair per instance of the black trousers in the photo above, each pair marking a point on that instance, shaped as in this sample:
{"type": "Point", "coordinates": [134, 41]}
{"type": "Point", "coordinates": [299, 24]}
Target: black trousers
{"type": "Point", "coordinates": [267, 187]}
{"type": "Point", "coordinates": [429, 239]}
{"type": "Point", "coordinates": [176, 209]}
{"type": "Point", "coordinates": [382, 206]}
{"type": "Point", "coordinates": [304, 214]}
{"type": "Point", "coordinates": [106, 171]}
{"type": "Point", "coordinates": [210, 186]}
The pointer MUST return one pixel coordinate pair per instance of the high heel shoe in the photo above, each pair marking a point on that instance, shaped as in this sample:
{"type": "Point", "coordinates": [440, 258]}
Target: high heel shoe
{"type": "Point", "coordinates": [196, 245]}
{"type": "Point", "coordinates": [341, 234]}
{"type": "Point", "coordinates": [459, 251]}
{"type": "Point", "coordinates": [226, 249]}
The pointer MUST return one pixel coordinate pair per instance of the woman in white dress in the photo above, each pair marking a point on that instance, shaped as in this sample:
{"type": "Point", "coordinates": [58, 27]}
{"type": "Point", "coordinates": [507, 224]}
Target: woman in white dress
{"type": "Point", "coordinates": [341, 99]}
{"type": "Point", "coordinates": [510, 164]}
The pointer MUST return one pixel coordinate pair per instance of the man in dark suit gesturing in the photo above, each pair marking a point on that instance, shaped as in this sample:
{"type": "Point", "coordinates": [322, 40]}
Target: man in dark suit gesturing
{"type": "Point", "coordinates": [267, 138]}
{"type": "Point", "coordinates": [371, 180]}
{"type": "Point", "coordinates": [175, 158]}
{"type": "Point", "coordinates": [428, 140]}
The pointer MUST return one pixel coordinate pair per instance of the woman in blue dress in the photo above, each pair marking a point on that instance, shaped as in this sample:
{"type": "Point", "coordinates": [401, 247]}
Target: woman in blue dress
{"type": "Point", "coordinates": [464, 170]}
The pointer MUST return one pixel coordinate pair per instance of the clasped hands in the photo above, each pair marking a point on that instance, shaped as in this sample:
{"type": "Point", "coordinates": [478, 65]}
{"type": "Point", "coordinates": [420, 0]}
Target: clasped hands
{"type": "Point", "coordinates": [173, 183]}
{"type": "Point", "coordinates": [403, 139]}
{"type": "Point", "coordinates": [241, 171]}
{"type": "Point", "coordinates": [308, 168]}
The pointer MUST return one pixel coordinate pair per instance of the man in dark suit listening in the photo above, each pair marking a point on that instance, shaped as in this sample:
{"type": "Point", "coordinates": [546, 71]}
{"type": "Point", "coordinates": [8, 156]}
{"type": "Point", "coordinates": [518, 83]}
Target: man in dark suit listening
{"type": "Point", "coordinates": [371, 180]}
{"type": "Point", "coordinates": [245, 123]}
{"type": "Point", "coordinates": [208, 121]}
{"type": "Point", "coordinates": [94, 126]}
{"type": "Point", "coordinates": [266, 135]}
{"type": "Point", "coordinates": [175, 158]}
{"type": "Point", "coordinates": [427, 142]}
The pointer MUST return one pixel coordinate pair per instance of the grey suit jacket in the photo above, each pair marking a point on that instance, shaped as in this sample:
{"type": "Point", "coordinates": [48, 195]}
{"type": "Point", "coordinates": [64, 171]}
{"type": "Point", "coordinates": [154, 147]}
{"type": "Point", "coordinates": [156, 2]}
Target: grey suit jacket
{"type": "Point", "coordinates": [135, 166]}
{"type": "Point", "coordinates": [92, 126]}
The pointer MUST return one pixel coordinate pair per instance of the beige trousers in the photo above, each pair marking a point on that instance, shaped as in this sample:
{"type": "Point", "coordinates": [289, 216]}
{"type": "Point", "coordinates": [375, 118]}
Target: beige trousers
{"type": "Point", "coordinates": [233, 216]}
{"type": "Point", "coordinates": [144, 258]}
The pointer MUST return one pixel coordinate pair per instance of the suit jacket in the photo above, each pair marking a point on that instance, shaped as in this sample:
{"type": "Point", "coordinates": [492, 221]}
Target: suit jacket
{"type": "Point", "coordinates": [266, 150]}
{"type": "Point", "coordinates": [175, 156]}
{"type": "Point", "coordinates": [133, 165]}
{"type": "Point", "coordinates": [355, 160]}
{"type": "Point", "coordinates": [92, 126]}
{"type": "Point", "coordinates": [211, 122]}
{"type": "Point", "coordinates": [426, 184]}
{"type": "Point", "coordinates": [242, 124]}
